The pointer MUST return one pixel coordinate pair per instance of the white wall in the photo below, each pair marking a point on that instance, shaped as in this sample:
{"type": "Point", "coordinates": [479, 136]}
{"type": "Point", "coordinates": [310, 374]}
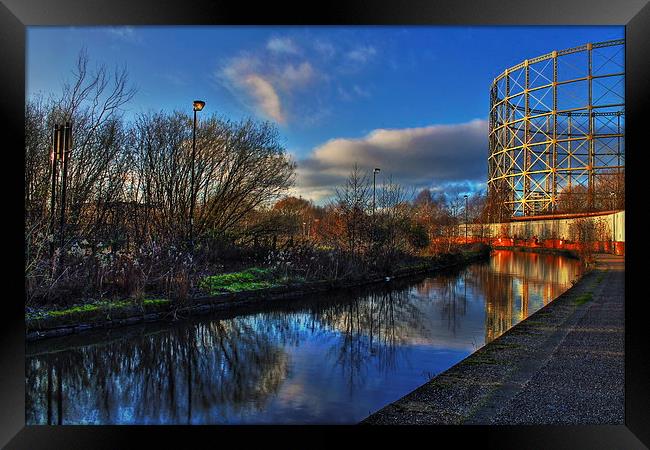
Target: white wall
{"type": "Point", "coordinates": [547, 229]}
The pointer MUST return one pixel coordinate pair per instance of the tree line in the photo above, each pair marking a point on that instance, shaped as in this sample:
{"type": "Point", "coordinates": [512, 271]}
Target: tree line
{"type": "Point", "coordinates": [129, 187]}
{"type": "Point", "coordinates": [129, 184]}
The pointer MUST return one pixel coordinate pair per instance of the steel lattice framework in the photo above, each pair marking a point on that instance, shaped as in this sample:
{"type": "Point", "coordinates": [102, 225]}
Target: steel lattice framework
{"type": "Point", "coordinates": [556, 130]}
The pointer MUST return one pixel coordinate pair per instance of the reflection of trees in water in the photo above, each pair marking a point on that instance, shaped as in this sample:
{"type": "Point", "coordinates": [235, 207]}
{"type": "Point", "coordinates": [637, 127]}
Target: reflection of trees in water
{"type": "Point", "coordinates": [448, 292]}
{"type": "Point", "coordinates": [162, 378]}
{"type": "Point", "coordinates": [372, 329]}
{"type": "Point", "coordinates": [196, 371]}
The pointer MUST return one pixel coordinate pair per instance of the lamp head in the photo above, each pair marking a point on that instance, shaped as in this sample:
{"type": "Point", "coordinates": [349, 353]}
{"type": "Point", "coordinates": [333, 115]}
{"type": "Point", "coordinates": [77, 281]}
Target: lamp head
{"type": "Point", "coordinates": [198, 105]}
{"type": "Point", "coordinates": [377, 170]}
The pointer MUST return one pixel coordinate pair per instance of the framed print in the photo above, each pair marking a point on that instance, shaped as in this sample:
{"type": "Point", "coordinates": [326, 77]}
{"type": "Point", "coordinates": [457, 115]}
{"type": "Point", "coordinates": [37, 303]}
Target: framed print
{"type": "Point", "coordinates": [246, 218]}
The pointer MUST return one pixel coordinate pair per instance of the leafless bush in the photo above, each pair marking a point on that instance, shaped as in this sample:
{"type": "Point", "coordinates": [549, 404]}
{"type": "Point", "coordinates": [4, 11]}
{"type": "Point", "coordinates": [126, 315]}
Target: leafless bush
{"type": "Point", "coordinates": [587, 232]}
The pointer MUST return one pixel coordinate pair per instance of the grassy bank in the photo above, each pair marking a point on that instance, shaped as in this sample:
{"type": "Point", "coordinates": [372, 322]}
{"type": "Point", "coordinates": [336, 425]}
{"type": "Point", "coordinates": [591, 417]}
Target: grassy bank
{"type": "Point", "coordinates": [254, 285]}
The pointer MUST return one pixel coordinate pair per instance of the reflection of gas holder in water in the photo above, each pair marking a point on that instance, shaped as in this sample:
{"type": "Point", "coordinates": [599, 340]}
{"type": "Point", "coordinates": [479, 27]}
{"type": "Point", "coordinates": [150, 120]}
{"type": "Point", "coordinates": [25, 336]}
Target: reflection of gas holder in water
{"type": "Point", "coordinates": [516, 281]}
{"type": "Point", "coordinates": [536, 267]}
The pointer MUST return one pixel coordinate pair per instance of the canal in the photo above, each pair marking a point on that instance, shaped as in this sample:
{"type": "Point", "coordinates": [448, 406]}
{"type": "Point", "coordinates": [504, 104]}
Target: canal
{"type": "Point", "coordinates": [331, 358]}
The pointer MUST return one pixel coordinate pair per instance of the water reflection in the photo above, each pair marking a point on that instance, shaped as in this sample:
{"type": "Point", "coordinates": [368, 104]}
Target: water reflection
{"type": "Point", "coordinates": [333, 358]}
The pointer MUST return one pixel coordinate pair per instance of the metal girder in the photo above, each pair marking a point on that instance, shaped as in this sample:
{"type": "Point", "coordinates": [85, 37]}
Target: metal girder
{"type": "Point", "coordinates": [556, 130]}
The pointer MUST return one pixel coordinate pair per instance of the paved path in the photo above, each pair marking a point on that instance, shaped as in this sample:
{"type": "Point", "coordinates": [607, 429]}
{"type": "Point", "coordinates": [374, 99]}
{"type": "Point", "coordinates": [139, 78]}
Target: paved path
{"type": "Point", "coordinates": [563, 365]}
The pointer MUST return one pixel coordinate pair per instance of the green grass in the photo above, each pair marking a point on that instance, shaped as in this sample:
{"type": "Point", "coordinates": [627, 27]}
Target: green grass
{"type": "Point", "coordinates": [246, 280]}
{"type": "Point", "coordinates": [584, 298]}
{"type": "Point", "coordinates": [93, 308]}
{"type": "Point", "coordinates": [74, 310]}
{"type": "Point", "coordinates": [155, 301]}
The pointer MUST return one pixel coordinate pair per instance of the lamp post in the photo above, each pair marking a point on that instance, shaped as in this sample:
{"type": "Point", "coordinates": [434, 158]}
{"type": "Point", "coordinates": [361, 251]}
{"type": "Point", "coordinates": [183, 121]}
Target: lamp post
{"type": "Point", "coordinates": [465, 218]}
{"type": "Point", "coordinates": [374, 177]}
{"type": "Point", "coordinates": [197, 106]}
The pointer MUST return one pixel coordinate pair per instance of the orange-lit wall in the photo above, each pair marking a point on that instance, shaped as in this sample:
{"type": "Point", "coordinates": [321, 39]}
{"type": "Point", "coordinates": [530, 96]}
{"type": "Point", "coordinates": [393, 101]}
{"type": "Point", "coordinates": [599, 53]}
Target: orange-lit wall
{"type": "Point", "coordinates": [550, 233]}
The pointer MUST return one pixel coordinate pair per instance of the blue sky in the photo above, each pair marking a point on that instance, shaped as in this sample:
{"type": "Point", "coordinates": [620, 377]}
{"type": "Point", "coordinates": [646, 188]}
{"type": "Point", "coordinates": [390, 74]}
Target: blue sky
{"type": "Point", "coordinates": [411, 100]}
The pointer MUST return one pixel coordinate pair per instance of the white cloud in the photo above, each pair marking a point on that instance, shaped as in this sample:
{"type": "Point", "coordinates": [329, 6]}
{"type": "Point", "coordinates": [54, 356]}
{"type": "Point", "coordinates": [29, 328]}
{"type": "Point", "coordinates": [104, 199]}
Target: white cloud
{"type": "Point", "coordinates": [361, 92]}
{"type": "Point", "coordinates": [362, 54]}
{"type": "Point", "coordinates": [238, 67]}
{"type": "Point", "coordinates": [241, 74]}
{"type": "Point", "coordinates": [437, 156]}
{"type": "Point", "coordinates": [125, 33]}
{"type": "Point", "coordinates": [324, 48]}
{"type": "Point", "coordinates": [344, 94]}
{"type": "Point", "coordinates": [266, 79]}
{"type": "Point", "coordinates": [282, 45]}
{"type": "Point", "coordinates": [354, 92]}
{"type": "Point", "coordinates": [297, 75]}
{"type": "Point", "coordinates": [266, 97]}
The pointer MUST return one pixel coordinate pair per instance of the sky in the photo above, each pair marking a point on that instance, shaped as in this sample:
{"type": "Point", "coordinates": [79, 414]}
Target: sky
{"type": "Point", "coordinates": [412, 101]}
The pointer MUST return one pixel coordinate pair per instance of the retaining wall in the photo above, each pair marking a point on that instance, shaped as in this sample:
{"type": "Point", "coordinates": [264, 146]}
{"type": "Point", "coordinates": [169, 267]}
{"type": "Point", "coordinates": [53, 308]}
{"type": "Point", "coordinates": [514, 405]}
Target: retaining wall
{"type": "Point", "coordinates": [605, 233]}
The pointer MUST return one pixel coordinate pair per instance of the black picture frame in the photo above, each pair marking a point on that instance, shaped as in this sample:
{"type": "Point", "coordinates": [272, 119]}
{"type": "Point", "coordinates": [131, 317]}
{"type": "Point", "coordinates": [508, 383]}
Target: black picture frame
{"type": "Point", "coordinates": [16, 15]}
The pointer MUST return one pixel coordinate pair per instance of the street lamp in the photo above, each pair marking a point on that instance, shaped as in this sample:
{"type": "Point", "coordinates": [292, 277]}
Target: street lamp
{"type": "Point", "coordinates": [374, 176]}
{"type": "Point", "coordinates": [465, 218]}
{"type": "Point", "coordinates": [197, 106]}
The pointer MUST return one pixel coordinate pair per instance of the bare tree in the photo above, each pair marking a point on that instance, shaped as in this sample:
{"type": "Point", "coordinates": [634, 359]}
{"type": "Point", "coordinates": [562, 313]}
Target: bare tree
{"type": "Point", "coordinates": [238, 167]}
{"type": "Point", "coordinates": [93, 102]}
{"type": "Point", "coordinates": [352, 201]}
{"type": "Point", "coordinates": [394, 217]}
{"type": "Point", "coordinates": [243, 166]}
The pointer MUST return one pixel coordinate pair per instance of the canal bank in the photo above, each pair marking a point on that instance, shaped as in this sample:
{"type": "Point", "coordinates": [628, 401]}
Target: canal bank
{"type": "Point", "coordinates": [562, 365]}
{"type": "Point", "coordinates": [329, 358]}
{"type": "Point", "coordinates": [123, 313]}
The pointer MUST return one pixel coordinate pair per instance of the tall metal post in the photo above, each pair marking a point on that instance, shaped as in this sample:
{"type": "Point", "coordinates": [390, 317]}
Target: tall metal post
{"type": "Point", "coordinates": [510, 115]}
{"type": "Point", "coordinates": [570, 156]}
{"type": "Point", "coordinates": [197, 105]}
{"type": "Point", "coordinates": [592, 131]}
{"type": "Point", "coordinates": [54, 158]}
{"type": "Point", "coordinates": [374, 176]}
{"type": "Point", "coordinates": [554, 172]}
{"type": "Point", "coordinates": [527, 158]}
{"type": "Point", "coordinates": [613, 195]}
{"type": "Point", "coordinates": [374, 187]}
{"type": "Point", "coordinates": [192, 184]}
{"type": "Point", "coordinates": [65, 143]}
{"type": "Point", "coordinates": [615, 234]}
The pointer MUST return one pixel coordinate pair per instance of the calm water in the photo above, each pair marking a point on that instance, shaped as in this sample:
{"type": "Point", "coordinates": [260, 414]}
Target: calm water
{"type": "Point", "coordinates": [334, 358]}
